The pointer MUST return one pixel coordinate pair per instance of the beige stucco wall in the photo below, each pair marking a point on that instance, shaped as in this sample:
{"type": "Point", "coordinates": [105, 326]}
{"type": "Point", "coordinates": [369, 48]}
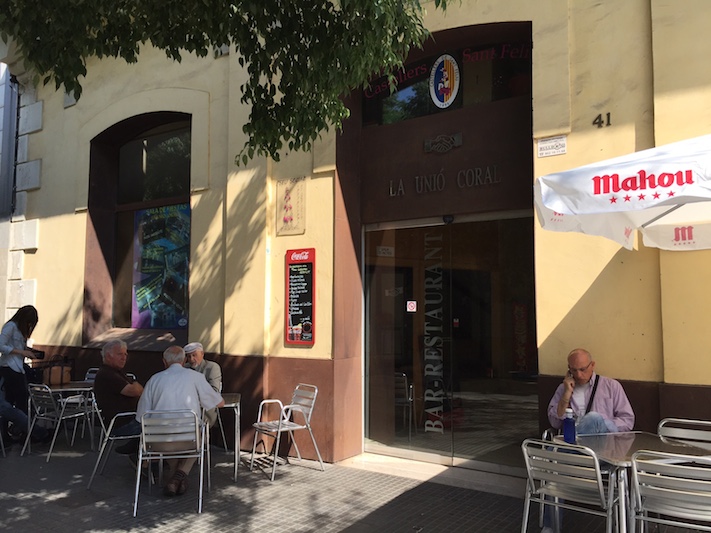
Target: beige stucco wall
{"type": "Point", "coordinates": [591, 292]}
{"type": "Point", "coordinates": [235, 257]}
{"type": "Point", "coordinates": [640, 312]}
{"type": "Point", "coordinates": [682, 100]}
{"type": "Point", "coordinates": [318, 170]}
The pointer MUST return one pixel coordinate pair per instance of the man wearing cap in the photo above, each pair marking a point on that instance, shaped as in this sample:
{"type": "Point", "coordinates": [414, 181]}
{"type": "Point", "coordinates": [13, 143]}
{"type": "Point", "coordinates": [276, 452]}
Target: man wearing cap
{"type": "Point", "coordinates": [195, 359]}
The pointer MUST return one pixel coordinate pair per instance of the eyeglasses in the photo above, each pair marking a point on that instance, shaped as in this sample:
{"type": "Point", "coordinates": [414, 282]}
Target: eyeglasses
{"type": "Point", "coordinates": [573, 370]}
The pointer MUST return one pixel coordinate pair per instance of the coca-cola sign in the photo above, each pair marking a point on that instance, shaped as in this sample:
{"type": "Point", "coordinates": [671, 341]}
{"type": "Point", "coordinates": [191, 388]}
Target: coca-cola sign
{"type": "Point", "coordinates": [300, 323]}
{"type": "Point", "coordinates": [302, 255]}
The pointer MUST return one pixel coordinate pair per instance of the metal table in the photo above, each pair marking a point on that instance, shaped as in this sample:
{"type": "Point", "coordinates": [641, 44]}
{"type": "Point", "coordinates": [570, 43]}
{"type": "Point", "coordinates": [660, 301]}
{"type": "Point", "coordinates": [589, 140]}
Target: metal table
{"type": "Point", "coordinates": [232, 401]}
{"type": "Point", "coordinates": [618, 448]}
{"type": "Point", "coordinates": [73, 386]}
{"type": "Point", "coordinates": [79, 388]}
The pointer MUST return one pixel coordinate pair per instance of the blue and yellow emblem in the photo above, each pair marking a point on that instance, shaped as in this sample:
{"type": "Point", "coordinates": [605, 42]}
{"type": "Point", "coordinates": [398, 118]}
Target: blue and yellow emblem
{"type": "Point", "coordinates": [444, 81]}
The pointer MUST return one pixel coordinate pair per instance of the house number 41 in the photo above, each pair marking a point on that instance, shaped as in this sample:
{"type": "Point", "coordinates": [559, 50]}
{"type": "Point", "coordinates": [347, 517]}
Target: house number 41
{"type": "Point", "coordinates": [601, 120]}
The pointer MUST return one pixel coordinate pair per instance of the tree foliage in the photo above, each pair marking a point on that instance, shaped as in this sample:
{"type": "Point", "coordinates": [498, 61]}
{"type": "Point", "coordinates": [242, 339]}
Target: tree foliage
{"type": "Point", "coordinates": [302, 56]}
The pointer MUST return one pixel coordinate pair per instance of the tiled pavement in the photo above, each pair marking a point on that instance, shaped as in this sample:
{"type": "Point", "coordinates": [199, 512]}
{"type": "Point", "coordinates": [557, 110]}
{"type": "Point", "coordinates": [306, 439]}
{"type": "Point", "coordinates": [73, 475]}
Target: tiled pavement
{"type": "Point", "coordinates": [52, 496]}
{"type": "Point", "coordinates": [40, 496]}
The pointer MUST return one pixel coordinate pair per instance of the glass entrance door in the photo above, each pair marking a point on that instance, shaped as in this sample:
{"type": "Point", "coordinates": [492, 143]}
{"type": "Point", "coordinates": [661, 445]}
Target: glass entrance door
{"type": "Point", "coordinates": [450, 341]}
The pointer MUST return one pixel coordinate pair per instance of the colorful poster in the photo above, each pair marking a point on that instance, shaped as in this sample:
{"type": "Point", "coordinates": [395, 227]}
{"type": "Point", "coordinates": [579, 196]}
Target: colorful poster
{"type": "Point", "coordinates": [161, 257]}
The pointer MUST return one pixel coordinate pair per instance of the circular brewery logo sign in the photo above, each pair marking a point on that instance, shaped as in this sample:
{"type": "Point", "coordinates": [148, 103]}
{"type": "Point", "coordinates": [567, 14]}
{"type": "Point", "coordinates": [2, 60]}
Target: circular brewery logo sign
{"type": "Point", "coordinates": [444, 81]}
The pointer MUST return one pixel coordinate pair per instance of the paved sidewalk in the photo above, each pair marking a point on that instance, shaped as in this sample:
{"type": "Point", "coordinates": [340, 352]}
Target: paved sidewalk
{"type": "Point", "coordinates": [40, 496]}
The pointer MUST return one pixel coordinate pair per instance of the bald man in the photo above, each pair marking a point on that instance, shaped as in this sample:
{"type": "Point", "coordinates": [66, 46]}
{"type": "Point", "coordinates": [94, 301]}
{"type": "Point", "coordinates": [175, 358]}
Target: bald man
{"type": "Point", "coordinates": [608, 412]}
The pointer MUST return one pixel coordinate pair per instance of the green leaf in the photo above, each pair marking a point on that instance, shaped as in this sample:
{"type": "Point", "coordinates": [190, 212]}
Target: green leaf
{"type": "Point", "coordinates": [302, 56]}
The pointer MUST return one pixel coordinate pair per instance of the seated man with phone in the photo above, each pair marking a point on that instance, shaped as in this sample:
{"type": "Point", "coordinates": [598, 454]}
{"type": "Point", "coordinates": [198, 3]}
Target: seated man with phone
{"type": "Point", "coordinates": [599, 403]}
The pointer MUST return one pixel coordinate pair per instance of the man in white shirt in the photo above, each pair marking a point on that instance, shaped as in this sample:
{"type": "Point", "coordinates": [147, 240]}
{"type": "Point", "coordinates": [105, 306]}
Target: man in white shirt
{"type": "Point", "coordinates": [177, 387]}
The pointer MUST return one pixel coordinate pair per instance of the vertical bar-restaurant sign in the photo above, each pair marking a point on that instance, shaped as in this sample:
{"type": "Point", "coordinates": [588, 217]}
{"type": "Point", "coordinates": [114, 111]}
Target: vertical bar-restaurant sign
{"type": "Point", "coordinates": [299, 327]}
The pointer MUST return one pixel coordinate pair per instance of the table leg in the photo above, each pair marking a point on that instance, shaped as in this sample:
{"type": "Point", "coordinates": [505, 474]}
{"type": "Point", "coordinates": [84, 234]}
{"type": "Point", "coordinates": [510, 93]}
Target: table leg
{"type": "Point", "coordinates": [622, 499]}
{"type": "Point", "coordinates": [237, 438]}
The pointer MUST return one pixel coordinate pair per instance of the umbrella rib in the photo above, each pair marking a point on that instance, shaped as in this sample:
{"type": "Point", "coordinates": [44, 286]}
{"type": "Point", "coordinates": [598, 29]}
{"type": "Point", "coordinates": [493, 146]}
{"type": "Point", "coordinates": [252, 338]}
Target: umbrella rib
{"type": "Point", "coordinates": [661, 216]}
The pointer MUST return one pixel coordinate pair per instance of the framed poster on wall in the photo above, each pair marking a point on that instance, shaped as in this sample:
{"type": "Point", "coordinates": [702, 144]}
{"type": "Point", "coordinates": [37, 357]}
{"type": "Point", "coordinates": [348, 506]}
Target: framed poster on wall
{"type": "Point", "coordinates": [161, 258]}
{"type": "Point", "coordinates": [299, 327]}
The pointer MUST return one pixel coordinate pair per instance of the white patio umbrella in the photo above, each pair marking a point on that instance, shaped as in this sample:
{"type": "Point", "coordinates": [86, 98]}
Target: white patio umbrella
{"type": "Point", "coordinates": [663, 192]}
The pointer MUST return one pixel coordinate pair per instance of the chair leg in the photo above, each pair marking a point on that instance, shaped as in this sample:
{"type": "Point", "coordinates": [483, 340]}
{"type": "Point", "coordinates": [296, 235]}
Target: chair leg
{"type": "Point", "coordinates": [238, 440]}
{"type": "Point", "coordinates": [203, 464]}
{"type": "Point", "coordinates": [27, 446]}
{"type": "Point", "coordinates": [254, 447]}
{"type": "Point", "coordinates": [90, 423]}
{"type": "Point", "coordinates": [54, 438]}
{"type": "Point", "coordinates": [276, 453]}
{"type": "Point", "coordinates": [99, 460]}
{"type": "Point", "coordinates": [138, 481]}
{"type": "Point", "coordinates": [409, 424]}
{"type": "Point", "coordinates": [414, 415]}
{"type": "Point", "coordinates": [222, 430]}
{"type": "Point", "coordinates": [74, 431]}
{"type": "Point", "coordinates": [293, 441]}
{"type": "Point", "coordinates": [556, 515]}
{"type": "Point", "coordinates": [318, 453]}
{"type": "Point", "coordinates": [526, 508]}
{"type": "Point", "coordinates": [207, 457]}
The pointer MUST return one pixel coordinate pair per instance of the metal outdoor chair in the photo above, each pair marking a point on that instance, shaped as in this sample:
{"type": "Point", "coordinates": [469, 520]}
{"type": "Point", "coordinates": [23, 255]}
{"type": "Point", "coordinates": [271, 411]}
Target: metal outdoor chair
{"type": "Point", "coordinates": [690, 431]}
{"type": "Point", "coordinates": [405, 398]}
{"type": "Point", "coordinates": [91, 374]}
{"type": "Point", "coordinates": [300, 409]}
{"type": "Point", "coordinates": [567, 476]}
{"type": "Point", "coordinates": [91, 404]}
{"type": "Point", "coordinates": [174, 434]}
{"type": "Point", "coordinates": [47, 407]}
{"type": "Point", "coordinates": [671, 489]}
{"type": "Point", "coordinates": [108, 440]}
{"type": "Point", "coordinates": [549, 433]}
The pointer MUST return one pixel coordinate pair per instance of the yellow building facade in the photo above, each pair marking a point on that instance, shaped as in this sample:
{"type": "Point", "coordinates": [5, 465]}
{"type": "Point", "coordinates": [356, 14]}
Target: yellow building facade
{"type": "Point", "coordinates": [394, 226]}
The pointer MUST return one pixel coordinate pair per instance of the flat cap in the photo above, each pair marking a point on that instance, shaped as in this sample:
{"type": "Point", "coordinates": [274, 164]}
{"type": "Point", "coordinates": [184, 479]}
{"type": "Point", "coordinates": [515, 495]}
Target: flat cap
{"type": "Point", "coordinates": [192, 347]}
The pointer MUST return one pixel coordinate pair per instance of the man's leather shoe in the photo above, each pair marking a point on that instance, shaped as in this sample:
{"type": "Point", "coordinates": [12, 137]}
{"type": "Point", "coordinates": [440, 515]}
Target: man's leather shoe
{"type": "Point", "coordinates": [183, 487]}
{"type": "Point", "coordinates": [171, 488]}
{"type": "Point", "coordinates": [176, 482]}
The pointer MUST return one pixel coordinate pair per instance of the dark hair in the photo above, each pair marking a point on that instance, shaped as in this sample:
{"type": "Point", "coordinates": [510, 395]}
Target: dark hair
{"type": "Point", "coordinates": [26, 320]}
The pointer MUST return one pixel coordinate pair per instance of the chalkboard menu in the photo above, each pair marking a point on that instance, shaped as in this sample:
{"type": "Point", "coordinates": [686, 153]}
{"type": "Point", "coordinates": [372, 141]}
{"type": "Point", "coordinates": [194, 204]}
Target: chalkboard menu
{"type": "Point", "coordinates": [300, 282]}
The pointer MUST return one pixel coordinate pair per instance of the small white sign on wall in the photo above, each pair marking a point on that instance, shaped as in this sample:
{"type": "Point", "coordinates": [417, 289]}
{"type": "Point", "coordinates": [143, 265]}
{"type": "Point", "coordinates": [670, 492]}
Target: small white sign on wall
{"type": "Point", "coordinates": [411, 306]}
{"type": "Point", "coordinates": [549, 146]}
{"type": "Point", "coordinates": [385, 251]}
